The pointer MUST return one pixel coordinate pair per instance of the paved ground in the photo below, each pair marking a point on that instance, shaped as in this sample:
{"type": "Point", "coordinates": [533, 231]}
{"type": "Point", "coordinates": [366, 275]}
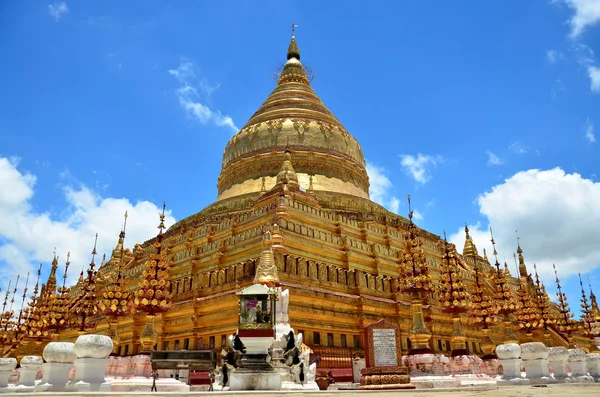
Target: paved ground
{"type": "Point", "coordinates": [558, 390]}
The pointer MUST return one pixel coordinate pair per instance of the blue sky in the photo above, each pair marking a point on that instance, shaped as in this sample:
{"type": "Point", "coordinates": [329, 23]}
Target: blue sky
{"type": "Point", "coordinates": [484, 112]}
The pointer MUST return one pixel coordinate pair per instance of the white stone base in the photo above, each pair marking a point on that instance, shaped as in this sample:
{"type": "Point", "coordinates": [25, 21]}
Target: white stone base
{"type": "Point", "coordinates": [254, 381]}
{"type": "Point", "coordinates": [536, 369]}
{"type": "Point", "coordinates": [4, 377]}
{"type": "Point", "coordinates": [55, 378]}
{"type": "Point", "coordinates": [89, 375]}
{"type": "Point", "coordinates": [560, 371]}
{"type": "Point", "coordinates": [23, 389]}
{"type": "Point", "coordinates": [285, 385]}
{"type": "Point", "coordinates": [580, 379]}
{"type": "Point", "coordinates": [27, 376]}
{"type": "Point", "coordinates": [140, 384]}
{"type": "Point", "coordinates": [511, 368]}
{"type": "Point", "coordinates": [434, 382]}
{"type": "Point", "coordinates": [513, 382]}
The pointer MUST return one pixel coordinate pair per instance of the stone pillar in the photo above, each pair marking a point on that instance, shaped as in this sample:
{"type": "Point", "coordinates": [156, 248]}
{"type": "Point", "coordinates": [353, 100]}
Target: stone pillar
{"type": "Point", "coordinates": [59, 358]}
{"type": "Point", "coordinates": [593, 365]}
{"type": "Point", "coordinates": [7, 366]}
{"type": "Point", "coordinates": [509, 355]}
{"type": "Point", "coordinates": [30, 366]}
{"type": "Point", "coordinates": [557, 359]}
{"type": "Point", "coordinates": [91, 363]}
{"type": "Point", "coordinates": [535, 361]}
{"type": "Point", "coordinates": [578, 365]}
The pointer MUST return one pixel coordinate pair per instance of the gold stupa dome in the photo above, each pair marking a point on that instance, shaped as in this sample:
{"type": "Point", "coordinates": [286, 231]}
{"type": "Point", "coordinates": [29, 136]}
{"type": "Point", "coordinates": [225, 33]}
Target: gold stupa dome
{"type": "Point", "coordinates": [293, 118]}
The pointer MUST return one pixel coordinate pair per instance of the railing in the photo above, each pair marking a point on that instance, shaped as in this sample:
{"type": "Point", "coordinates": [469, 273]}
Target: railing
{"type": "Point", "coordinates": [331, 357]}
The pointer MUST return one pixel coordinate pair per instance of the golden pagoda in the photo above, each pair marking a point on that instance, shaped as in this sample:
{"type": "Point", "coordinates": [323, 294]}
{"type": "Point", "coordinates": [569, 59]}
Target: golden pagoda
{"type": "Point", "coordinates": [293, 173]}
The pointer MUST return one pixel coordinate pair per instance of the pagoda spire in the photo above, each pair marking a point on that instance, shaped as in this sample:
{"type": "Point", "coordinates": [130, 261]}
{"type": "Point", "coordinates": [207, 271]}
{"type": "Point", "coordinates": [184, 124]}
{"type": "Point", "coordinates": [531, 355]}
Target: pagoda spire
{"type": "Point", "coordinates": [586, 319]}
{"type": "Point", "coordinates": [469, 249]}
{"type": "Point", "coordinates": [266, 271]}
{"type": "Point", "coordinates": [415, 279]}
{"type": "Point", "coordinates": [484, 311]}
{"type": "Point", "coordinates": [456, 298]}
{"type": "Point", "coordinates": [504, 296]}
{"type": "Point", "coordinates": [594, 302]}
{"type": "Point", "coordinates": [118, 251]}
{"type": "Point", "coordinates": [565, 322]}
{"type": "Point", "coordinates": [153, 295]}
{"type": "Point", "coordinates": [287, 180]}
{"type": "Point", "coordinates": [522, 266]}
{"type": "Point", "coordinates": [87, 306]}
{"type": "Point", "coordinates": [50, 286]}
{"type": "Point", "coordinates": [293, 51]}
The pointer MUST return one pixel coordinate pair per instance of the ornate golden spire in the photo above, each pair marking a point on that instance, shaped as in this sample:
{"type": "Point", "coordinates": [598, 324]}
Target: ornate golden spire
{"type": "Point", "coordinates": [51, 283]}
{"type": "Point", "coordinates": [266, 271]}
{"type": "Point", "coordinates": [153, 294]}
{"type": "Point", "coordinates": [293, 51]}
{"type": "Point", "coordinates": [118, 251]}
{"type": "Point", "coordinates": [87, 305]}
{"type": "Point", "coordinates": [456, 298]}
{"type": "Point", "coordinates": [469, 249]}
{"type": "Point", "coordinates": [565, 322]}
{"type": "Point", "coordinates": [414, 275]}
{"type": "Point", "coordinates": [293, 116]}
{"type": "Point", "coordinates": [287, 178]}
{"type": "Point", "coordinates": [587, 318]}
{"type": "Point", "coordinates": [484, 309]}
{"type": "Point", "coordinates": [485, 257]}
{"type": "Point", "coordinates": [414, 278]}
{"type": "Point", "coordinates": [543, 302]}
{"type": "Point", "coordinates": [527, 313]}
{"type": "Point", "coordinates": [522, 266]}
{"type": "Point", "coordinates": [59, 315]}
{"type": "Point", "coordinates": [504, 296]}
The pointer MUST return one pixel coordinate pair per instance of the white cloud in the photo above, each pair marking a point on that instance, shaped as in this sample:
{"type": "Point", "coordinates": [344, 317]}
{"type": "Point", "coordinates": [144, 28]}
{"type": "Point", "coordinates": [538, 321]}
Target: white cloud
{"type": "Point", "coordinates": [28, 237]}
{"type": "Point", "coordinates": [594, 73]}
{"type": "Point", "coordinates": [589, 132]}
{"type": "Point", "coordinates": [57, 10]}
{"type": "Point", "coordinates": [493, 159]}
{"type": "Point", "coordinates": [553, 56]}
{"type": "Point", "coordinates": [417, 215]}
{"type": "Point", "coordinates": [587, 14]}
{"type": "Point", "coordinates": [517, 147]}
{"type": "Point", "coordinates": [190, 99]}
{"type": "Point", "coordinates": [380, 189]}
{"type": "Point", "coordinates": [419, 166]}
{"type": "Point", "coordinates": [556, 215]}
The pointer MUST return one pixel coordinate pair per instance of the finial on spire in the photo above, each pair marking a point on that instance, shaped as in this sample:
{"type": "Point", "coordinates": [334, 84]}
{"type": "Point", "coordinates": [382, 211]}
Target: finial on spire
{"type": "Point", "coordinates": [122, 234]}
{"type": "Point", "coordinates": [519, 250]}
{"type": "Point", "coordinates": [96, 242]}
{"type": "Point", "coordinates": [410, 212]}
{"type": "Point", "coordinates": [293, 51]}
{"type": "Point", "coordinates": [161, 226]}
{"type": "Point", "coordinates": [495, 252]}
